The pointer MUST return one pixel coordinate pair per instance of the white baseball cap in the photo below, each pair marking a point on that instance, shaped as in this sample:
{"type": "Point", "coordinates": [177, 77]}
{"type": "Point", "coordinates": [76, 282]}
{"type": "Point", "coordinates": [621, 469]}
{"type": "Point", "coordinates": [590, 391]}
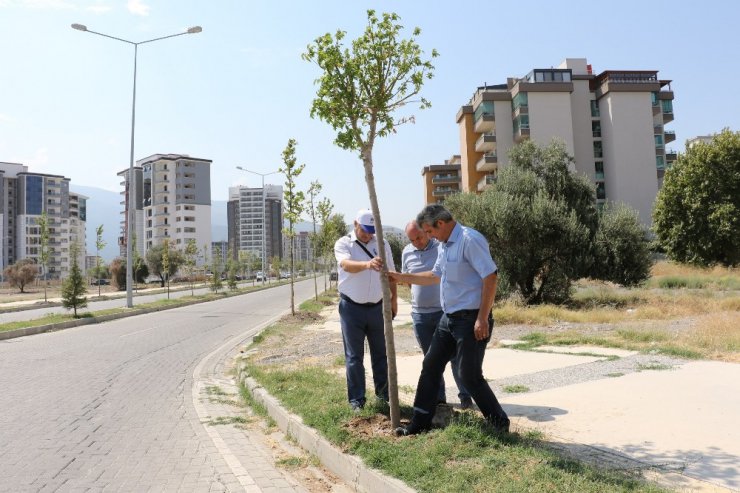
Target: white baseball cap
{"type": "Point", "coordinates": [366, 220]}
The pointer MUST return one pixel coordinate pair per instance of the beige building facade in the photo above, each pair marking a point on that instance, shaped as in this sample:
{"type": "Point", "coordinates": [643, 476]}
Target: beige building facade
{"type": "Point", "coordinates": [613, 124]}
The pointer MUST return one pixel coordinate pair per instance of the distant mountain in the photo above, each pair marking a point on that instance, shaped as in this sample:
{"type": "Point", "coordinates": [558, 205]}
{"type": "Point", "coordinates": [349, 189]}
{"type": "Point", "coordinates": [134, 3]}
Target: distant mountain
{"type": "Point", "coordinates": [103, 207]}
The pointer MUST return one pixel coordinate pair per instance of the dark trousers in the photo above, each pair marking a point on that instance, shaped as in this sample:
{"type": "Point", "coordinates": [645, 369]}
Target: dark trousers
{"type": "Point", "coordinates": [359, 322]}
{"type": "Point", "coordinates": [425, 324]}
{"type": "Point", "coordinates": [455, 337]}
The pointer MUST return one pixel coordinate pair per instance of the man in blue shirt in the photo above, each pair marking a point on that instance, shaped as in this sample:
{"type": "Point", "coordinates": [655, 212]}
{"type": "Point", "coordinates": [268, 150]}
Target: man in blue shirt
{"type": "Point", "coordinates": [468, 278]}
{"type": "Point", "coordinates": [426, 311]}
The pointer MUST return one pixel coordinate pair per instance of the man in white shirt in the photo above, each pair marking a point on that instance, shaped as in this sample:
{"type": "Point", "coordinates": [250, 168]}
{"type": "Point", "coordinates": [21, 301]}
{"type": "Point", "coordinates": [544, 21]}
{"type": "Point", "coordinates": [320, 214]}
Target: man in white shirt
{"type": "Point", "coordinates": [361, 307]}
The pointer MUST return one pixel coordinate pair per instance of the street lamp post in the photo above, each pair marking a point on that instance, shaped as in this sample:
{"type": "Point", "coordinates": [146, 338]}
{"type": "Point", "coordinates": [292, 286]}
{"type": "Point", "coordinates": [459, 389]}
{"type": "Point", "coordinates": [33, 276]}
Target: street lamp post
{"type": "Point", "coordinates": [264, 212]}
{"type": "Point", "coordinates": [131, 181]}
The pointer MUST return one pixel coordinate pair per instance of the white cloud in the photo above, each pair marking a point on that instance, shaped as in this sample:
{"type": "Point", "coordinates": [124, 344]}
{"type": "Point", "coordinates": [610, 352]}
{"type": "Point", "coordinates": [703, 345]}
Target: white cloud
{"type": "Point", "coordinates": [137, 7]}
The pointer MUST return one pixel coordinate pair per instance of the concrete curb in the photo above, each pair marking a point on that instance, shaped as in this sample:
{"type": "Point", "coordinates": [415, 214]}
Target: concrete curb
{"type": "Point", "coordinates": [349, 468]}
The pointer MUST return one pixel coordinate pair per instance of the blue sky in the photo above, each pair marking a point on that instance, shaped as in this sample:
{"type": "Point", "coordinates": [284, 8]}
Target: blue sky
{"type": "Point", "coordinates": [237, 92]}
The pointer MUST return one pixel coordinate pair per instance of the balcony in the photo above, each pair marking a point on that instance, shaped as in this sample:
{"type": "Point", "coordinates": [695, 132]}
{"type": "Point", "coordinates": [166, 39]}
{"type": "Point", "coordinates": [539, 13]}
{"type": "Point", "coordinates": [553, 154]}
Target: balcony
{"type": "Point", "coordinates": [670, 136]}
{"type": "Point", "coordinates": [521, 133]}
{"type": "Point", "coordinates": [485, 143]}
{"type": "Point", "coordinates": [671, 156]}
{"type": "Point", "coordinates": [489, 162]}
{"type": "Point", "coordinates": [486, 182]}
{"type": "Point", "coordinates": [485, 123]}
{"type": "Point", "coordinates": [444, 191]}
{"type": "Point", "coordinates": [446, 179]}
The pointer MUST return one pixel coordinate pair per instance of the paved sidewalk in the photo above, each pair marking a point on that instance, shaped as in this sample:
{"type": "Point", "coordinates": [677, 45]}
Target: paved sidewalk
{"type": "Point", "coordinates": [678, 418]}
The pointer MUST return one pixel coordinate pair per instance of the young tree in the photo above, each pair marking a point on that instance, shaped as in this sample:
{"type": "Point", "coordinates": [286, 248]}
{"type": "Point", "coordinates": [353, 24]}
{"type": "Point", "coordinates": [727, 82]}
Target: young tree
{"type": "Point", "coordinates": [21, 273]}
{"type": "Point", "coordinates": [293, 200]}
{"type": "Point", "coordinates": [155, 260]}
{"type": "Point", "coordinates": [99, 245]}
{"type": "Point", "coordinates": [73, 287]}
{"type": "Point", "coordinates": [43, 223]}
{"type": "Point", "coordinates": [324, 208]}
{"type": "Point", "coordinates": [216, 270]}
{"type": "Point", "coordinates": [313, 191]}
{"type": "Point", "coordinates": [621, 252]}
{"type": "Point", "coordinates": [697, 213]}
{"type": "Point", "coordinates": [360, 89]}
{"type": "Point", "coordinates": [118, 273]}
{"type": "Point", "coordinates": [275, 264]}
{"type": "Point", "coordinates": [231, 270]}
{"type": "Point", "coordinates": [190, 256]}
{"type": "Point", "coordinates": [166, 263]}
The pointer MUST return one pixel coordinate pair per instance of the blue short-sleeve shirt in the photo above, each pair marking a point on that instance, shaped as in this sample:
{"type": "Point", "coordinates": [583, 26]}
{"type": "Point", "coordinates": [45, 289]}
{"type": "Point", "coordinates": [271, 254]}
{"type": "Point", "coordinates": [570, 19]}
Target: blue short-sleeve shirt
{"type": "Point", "coordinates": [462, 263]}
{"type": "Point", "coordinates": [424, 299]}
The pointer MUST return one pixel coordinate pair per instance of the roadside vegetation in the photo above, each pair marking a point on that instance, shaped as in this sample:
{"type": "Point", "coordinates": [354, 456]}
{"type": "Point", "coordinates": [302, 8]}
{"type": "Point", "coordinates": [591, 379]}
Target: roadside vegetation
{"type": "Point", "coordinates": [466, 455]}
{"type": "Point", "coordinates": [162, 304]}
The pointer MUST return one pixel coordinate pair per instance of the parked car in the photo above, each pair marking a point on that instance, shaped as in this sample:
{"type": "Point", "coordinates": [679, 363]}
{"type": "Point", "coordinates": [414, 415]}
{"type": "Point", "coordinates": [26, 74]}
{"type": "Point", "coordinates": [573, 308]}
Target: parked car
{"type": "Point", "coordinates": [333, 276]}
{"type": "Point", "coordinates": [99, 282]}
{"type": "Point", "coordinates": [259, 276]}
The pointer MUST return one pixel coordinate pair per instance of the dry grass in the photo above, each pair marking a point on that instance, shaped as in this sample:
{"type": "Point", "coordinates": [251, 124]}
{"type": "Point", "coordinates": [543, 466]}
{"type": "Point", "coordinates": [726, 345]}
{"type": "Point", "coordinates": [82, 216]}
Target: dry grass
{"type": "Point", "coordinates": [665, 268]}
{"type": "Point", "coordinates": [718, 336]}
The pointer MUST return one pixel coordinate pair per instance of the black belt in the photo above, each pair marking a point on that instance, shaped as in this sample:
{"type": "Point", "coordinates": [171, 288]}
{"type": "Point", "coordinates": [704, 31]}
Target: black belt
{"type": "Point", "coordinates": [350, 300]}
{"type": "Point", "coordinates": [462, 313]}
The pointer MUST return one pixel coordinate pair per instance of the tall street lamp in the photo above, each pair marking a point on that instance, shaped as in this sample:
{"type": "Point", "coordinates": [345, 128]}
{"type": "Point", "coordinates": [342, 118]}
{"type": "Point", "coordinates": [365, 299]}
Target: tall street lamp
{"type": "Point", "coordinates": [264, 212]}
{"type": "Point", "coordinates": [131, 180]}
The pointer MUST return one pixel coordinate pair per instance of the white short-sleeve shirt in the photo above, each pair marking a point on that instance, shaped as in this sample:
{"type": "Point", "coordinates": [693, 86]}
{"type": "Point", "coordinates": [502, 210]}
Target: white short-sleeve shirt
{"type": "Point", "coordinates": [364, 286]}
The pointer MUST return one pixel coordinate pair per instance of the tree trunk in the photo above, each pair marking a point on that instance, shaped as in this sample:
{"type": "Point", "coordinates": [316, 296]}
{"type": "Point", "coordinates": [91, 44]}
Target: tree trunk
{"type": "Point", "coordinates": [390, 347]}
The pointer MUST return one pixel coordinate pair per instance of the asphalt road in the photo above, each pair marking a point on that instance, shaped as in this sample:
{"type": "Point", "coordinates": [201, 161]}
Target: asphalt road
{"type": "Point", "coordinates": [112, 406]}
{"type": "Point", "coordinates": [104, 304]}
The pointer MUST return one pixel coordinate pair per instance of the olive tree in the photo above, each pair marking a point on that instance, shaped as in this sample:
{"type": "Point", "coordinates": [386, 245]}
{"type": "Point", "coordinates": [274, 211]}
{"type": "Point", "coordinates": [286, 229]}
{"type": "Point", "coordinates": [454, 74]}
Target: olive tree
{"type": "Point", "coordinates": [361, 88]}
{"type": "Point", "coordinates": [697, 213]}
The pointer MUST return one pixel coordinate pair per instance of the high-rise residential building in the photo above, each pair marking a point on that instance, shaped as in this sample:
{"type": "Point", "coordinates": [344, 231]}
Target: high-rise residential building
{"type": "Point", "coordinates": [302, 251]}
{"type": "Point", "coordinates": [613, 124]}
{"type": "Point", "coordinates": [173, 201]}
{"type": "Point", "coordinates": [138, 206]}
{"type": "Point", "coordinates": [25, 196]}
{"type": "Point", "coordinates": [249, 211]}
{"type": "Point", "coordinates": [441, 180]}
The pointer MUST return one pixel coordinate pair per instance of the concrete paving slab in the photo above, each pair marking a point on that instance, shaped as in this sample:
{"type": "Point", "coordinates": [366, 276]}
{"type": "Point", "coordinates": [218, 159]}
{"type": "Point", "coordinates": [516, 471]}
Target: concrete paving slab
{"type": "Point", "coordinates": [684, 419]}
{"type": "Point", "coordinates": [498, 363]}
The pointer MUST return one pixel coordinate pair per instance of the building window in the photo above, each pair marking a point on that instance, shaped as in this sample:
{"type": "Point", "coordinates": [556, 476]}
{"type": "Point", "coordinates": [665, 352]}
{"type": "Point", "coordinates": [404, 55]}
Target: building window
{"type": "Point", "coordinates": [520, 99]}
{"type": "Point", "coordinates": [598, 150]}
{"type": "Point", "coordinates": [654, 98]}
{"type": "Point", "coordinates": [596, 128]}
{"type": "Point", "coordinates": [600, 190]}
{"type": "Point", "coordinates": [660, 162]}
{"type": "Point", "coordinates": [667, 106]}
{"type": "Point", "coordinates": [599, 170]}
{"type": "Point", "coordinates": [485, 108]}
{"type": "Point", "coordinates": [658, 141]}
{"type": "Point", "coordinates": [595, 113]}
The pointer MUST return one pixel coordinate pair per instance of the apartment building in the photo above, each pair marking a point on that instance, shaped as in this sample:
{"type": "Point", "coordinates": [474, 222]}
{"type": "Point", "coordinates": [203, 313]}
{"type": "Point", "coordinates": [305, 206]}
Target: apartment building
{"type": "Point", "coordinates": [24, 197]}
{"type": "Point", "coordinates": [441, 180]}
{"type": "Point", "coordinates": [172, 201]}
{"type": "Point", "coordinates": [252, 212]}
{"type": "Point", "coordinates": [302, 250]}
{"type": "Point", "coordinates": [613, 124]}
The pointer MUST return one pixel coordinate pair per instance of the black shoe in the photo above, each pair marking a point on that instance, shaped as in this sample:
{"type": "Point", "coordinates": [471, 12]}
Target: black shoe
{"type": "Point", "coordinates": [500, 425]}
{"type": "Point", "coordinates": [412, 428]}
{"type": "Point", "coordinates": [466, 403]}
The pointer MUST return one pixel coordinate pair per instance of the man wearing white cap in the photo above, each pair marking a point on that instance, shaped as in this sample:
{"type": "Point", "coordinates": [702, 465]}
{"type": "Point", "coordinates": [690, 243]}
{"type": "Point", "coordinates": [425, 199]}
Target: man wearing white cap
{"type": "Point", "coordinates": [361, 307]}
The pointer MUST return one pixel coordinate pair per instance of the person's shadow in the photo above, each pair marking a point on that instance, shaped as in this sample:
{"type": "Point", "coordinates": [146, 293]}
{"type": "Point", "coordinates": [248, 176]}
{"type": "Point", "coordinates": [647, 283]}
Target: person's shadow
{"type": "Point", "coordinates": [538, 414]}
